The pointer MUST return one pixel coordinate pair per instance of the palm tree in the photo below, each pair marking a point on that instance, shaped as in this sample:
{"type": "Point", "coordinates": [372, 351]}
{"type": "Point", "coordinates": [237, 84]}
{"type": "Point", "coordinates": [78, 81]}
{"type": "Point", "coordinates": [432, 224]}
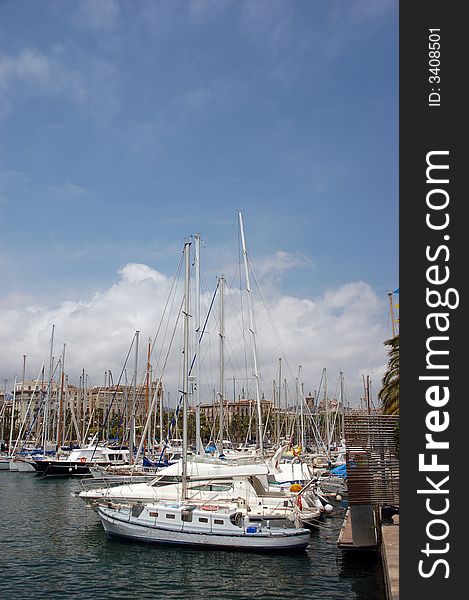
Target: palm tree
{"type": "Point", "coordinates": [389, 393]}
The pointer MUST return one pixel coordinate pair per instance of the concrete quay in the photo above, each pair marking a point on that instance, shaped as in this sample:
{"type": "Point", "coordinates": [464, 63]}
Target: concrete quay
{"type": "Point", "coordinates": [390, 557]}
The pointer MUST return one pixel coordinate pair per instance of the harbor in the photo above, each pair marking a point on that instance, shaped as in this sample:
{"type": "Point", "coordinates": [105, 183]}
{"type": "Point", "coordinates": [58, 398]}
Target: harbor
{"type": "Point", "coordinates": [290, 493]}
{"type": "Point", "coordinates": [290, 490]}
{"type": "Point", "coordinates": [199, 312]}
{"type": "Point", "coordinates": [53, 545]}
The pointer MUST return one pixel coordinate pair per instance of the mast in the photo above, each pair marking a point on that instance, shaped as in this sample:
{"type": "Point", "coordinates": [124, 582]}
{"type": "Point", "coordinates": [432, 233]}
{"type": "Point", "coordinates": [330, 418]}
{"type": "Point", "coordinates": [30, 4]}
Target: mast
{"type": "Point", "coordinates": [286, 407]}
{"type": "Point", "coordinates": [22, 386]}
{"type": "Point", "coordinates": [134, 401]}
{"type": "Point", "coordinates": [391, 310]}
{"type": "Point", "coordinates": [185, 369]}
{"type": "Point", "coordinates": [302, 416]}
{"type": "Point", "coordinates": [61, 392]}
{"type": "Point", "coordinates": [160, 391]}
{"type": "Point", "coordinates": [49, 393]}
{"type": "Point", "coordinates": [198, 440]}
{"type": "Point", "coordinates": [253, 336]}
{"type": "Point", "coordinates": [279, 408]}
{"type": "Point", "coordinates": [342, 399]}
{"type": "Point", "coordinates": [147, 389]}
{"type": "Point", "coordinates": [221, 383]}
{"type": "Point", "coordinates": [12, 416]}
{"type": "Point", "coordinates": [326, 401]}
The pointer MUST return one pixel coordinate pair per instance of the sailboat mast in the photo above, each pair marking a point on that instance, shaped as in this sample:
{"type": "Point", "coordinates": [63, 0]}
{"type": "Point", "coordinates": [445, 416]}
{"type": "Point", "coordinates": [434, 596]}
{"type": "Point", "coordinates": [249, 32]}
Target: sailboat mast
{"type": "Point", "coordinates": [326, 401]}
{"type": "Point", "coordinates": [185, 370]}
{"type": "Point", "coordinates": [148, 393]}
{"type": "Point", "coordinates": [221, 383]}
{"type": "Point", "coordinates": [342, 400]}
{"type": "Point", "coordinates": [61, 392]}
{"type": "Point", "coordinates": [391, 310]}
{"type": "Point", "coordinates": [134, 401]}
{"type": "Point", "coordinates": [49, 392]}
{"type": "Point", "coordinates": [22, 384]}
{"type": "Point", "coordinates": [253, 336]}
{"type": "Point", "coordinates": [12, 417]}
{"type": "Point", "coordinates": [302, 414]}
{"type": "Point", "coordinates": [279, 408]}
{"type": "Point", "coordinates": [198, 440]}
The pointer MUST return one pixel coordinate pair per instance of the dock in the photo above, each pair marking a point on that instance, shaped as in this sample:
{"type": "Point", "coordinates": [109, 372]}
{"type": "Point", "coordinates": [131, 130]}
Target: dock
{"type": "Point", "coordinates": [389, 549]}
{"type": "Point", "coordinates": [390, 558]}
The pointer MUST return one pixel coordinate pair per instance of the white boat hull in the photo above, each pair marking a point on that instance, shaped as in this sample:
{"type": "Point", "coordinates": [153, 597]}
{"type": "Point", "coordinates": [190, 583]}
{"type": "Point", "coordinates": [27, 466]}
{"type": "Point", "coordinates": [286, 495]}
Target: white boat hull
{"type": "Point", "coordinates": [22, 466]}
{"type": "Point", "coordinates": [122, 525]}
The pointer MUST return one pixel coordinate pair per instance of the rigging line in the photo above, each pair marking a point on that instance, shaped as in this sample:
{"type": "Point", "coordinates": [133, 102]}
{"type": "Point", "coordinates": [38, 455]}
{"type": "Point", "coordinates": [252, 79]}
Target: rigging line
{"type": "Point", "coordinates": [108, 412]}
{"type": "Point", "coordinates": [282, 348]}
{"type": "Point", "coordinates": [174, 419]}
{"type": "Point", "coordinates": [155, 394]}
{"type": "Point", "coordinates": [236, 317]}
{"type": "Point", "coordinates": [243, 327]}
{"type": "Point", "coordinates": [171, 294]}
{"type": "Point", "coordinates": [41, 405]}
{"type": "Point", "coordinates": [173, 285]}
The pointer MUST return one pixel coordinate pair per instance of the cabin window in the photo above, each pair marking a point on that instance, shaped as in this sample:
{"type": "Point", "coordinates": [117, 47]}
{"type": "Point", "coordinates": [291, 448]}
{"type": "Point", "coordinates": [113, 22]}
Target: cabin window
{"type": "Point", "coordinates": [137, 509]}
{"type": "Point", "coordinates": [111, 457]}
{"type": "Point", "coordinates": [219, 521]}
{"type": "Point", "coordinates": [203, 520]}
{"type": "Point", "coordinates": [170, 516]}
{"type": "Point", "coordinates": [186, 515]}
{"type": "Point", "coordinates": [153, 514]}
{"type": "Point", "coordinates": [237, 519]}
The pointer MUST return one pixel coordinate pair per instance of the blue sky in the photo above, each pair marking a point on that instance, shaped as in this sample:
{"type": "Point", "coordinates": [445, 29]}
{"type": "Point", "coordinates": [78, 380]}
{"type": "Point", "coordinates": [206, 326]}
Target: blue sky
{"type": "Point", "coordinates": [127, 126]}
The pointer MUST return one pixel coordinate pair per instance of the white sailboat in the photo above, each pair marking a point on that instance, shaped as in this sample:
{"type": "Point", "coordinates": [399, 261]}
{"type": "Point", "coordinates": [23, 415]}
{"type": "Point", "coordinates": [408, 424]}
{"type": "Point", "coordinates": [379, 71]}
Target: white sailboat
{"type": "Point", "coordinates": [196, 524]}
{"type": "Point", "coordinates": [204, 526]}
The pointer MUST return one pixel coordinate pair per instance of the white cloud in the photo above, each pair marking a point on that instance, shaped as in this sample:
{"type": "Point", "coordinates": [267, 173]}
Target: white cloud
{"type": "Point", "coordinates": [341, 330]}
{"type": "Point", "coordinates": [33, 73]}
{"type": "Point", "coordinates": [281, 262]}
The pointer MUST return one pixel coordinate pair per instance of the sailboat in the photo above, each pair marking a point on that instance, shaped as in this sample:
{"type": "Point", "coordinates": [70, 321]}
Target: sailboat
{"type": "Point", "coordinates": [205, 526]}
{"type": "Point", "coordinates": [189, 523]}
{"type": "Point", "coordinates": [79, 461]}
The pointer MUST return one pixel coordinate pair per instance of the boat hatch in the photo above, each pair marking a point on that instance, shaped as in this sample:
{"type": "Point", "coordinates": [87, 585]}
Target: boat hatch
{"type": "Point", "coordinates": [186, 514]}
{"type": "Point", "coordinates": [237, 519]}
{"type": "Point", "coordinates": [137, 509]}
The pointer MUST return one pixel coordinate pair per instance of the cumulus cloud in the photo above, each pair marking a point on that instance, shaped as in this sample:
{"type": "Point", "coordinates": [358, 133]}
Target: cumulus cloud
{"type": "Point", "coordinates": [341, 330]}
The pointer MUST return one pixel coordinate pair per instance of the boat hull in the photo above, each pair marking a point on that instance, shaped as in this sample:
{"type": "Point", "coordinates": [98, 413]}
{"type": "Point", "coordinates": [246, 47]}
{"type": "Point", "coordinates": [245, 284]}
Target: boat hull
{"type": "Point", "coordinates": [61, 468]}
{"type": "Point", "coordinates": [22, 466]}
{"type": "Point", "coordinates": [271, 541]}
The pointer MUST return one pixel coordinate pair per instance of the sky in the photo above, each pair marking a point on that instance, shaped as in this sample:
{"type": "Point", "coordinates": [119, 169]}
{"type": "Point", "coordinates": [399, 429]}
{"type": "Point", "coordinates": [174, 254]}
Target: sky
{"type": "Point", "coordinates": [127, 127]}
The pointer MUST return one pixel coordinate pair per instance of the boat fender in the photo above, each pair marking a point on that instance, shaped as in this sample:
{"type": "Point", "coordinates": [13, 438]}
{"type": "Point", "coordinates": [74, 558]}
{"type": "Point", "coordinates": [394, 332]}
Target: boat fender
{"type": "Point", "coordinates": [299, 503]}
{"type": "Point", "coordinates": [296, 487]}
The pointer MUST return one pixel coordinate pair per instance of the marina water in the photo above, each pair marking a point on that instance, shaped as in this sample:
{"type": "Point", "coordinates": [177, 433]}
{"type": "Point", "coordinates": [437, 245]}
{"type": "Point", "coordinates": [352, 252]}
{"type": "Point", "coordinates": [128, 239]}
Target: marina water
{"type": "Point", "coordinates": [54, 547]}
